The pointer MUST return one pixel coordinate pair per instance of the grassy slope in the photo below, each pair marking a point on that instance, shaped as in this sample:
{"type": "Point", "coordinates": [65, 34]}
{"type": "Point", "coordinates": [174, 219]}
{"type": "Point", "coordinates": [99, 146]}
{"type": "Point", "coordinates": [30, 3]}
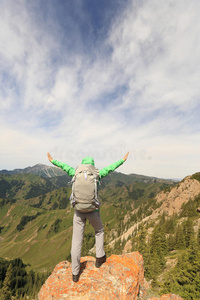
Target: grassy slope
{"type": "Point", "coordinates": [34, 244]}
{"type": "Point", "coordinates": [37, 244]}
{"type": "Point", "coordinates": [23, 186]}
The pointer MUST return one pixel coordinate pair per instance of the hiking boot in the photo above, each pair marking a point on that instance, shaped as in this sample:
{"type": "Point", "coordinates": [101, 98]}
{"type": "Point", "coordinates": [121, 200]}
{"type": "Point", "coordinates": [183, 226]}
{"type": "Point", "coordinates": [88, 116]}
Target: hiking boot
{"type": "Point", "coordinates": [100, 261]}
{"type": "Point", "coordinates": [75, 278]}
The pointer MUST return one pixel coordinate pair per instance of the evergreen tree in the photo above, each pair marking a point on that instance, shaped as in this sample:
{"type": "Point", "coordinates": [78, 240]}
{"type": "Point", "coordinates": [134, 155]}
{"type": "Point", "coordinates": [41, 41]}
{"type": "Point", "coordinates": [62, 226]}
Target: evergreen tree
{"type": "Point", "coordinates": [30, 282]}
{"type": "Point", "coordinates": [5, 292]}
{"type": "Point", "coordinates": [141, 239]}
{"type": "Point", "coordinates": [171, 242]}
{"type": "Point", "coordinates": [158, 243]}
{"type": "Point", "coordinates": [152, 267]}
{"type": "Point", "coordinates": [189, 232]}
{"type": "Point", "coordinates": [198, 237]}
{"type": "Point", "coordinates": [163, 243]}
{"type": "Point", "coordinates": [107, 247]}
{"type": "Point", "coordinates": [108, 250]}
{"type": "Point", "coordinates": [179, 238]}
{"type": "Point", "coordinates": [170, 224]}
{"type": "Point", "coordinates": [184, 278]}
{"type": "Point", "coordinates": [155, 251]}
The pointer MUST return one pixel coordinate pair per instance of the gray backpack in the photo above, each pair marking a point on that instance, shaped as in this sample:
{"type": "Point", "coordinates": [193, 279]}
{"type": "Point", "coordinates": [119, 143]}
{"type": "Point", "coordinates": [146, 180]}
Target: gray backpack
{"type": "Point", "coordinates": [84, 197]}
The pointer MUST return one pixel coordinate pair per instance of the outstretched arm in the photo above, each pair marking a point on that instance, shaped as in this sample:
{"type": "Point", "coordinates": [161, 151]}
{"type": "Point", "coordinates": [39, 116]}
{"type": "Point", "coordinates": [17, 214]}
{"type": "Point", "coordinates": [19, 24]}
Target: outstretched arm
{"type": "Point", "coordinates": [105, 171]}
{"type": "Point", "coordinates": [65, 167]}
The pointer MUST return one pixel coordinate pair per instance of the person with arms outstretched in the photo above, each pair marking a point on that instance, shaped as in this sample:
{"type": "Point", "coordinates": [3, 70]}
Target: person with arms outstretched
{"type": "Point", "coordinates": [86, 204]}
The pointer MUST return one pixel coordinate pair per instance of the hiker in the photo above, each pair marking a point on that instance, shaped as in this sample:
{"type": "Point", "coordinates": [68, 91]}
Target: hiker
{"type": "Point", "coordinates": [84, 200]}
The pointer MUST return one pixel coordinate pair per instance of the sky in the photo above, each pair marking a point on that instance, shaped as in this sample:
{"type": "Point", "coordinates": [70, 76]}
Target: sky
{"type": "Point", "coordinates": [100, 78]}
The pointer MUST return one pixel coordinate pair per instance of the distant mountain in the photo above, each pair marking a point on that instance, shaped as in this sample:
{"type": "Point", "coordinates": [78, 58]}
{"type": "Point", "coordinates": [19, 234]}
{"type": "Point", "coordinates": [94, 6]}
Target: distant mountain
{"type": "Point", "coordinates": [39, 169]}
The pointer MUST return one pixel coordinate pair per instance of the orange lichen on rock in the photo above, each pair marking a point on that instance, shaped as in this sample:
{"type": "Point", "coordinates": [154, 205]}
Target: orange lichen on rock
{"type": "Point", "coordinates": [121, 277]}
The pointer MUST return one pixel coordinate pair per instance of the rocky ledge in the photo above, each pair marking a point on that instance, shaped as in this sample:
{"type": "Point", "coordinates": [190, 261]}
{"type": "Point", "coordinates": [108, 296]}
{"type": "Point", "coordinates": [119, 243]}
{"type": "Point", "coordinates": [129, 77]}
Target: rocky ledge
{"type": "Point", "coordinates": [121, 277]}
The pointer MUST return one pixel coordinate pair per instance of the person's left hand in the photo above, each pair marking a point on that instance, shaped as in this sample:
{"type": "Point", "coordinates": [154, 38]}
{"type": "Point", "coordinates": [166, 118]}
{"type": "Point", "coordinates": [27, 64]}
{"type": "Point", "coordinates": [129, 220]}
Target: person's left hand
{"type": "Point", "coordinates": [125, 157]}
{"type": "Point", "coordinates": [49, 157]}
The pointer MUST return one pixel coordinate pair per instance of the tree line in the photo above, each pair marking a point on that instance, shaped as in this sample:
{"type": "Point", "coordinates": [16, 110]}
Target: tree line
{"type": "Point", "coordinates": [16, 283]}
{"type": "Point", "coordinates": [171, 237]}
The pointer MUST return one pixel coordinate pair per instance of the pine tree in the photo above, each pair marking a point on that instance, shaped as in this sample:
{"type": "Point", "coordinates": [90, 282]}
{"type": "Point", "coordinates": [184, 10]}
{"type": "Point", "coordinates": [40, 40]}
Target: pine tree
{"type": "Point", "coordinates": [154, 254]}
{"type": "Point", "coordinates": [30, 282]}
{"type": "Point", "coordinates": [153, 267]}
{"type": "Point", "coordinates": [179, 238]}
{"type": "Point", "coordinates": [171, 242]}
{"type": "Point", "coordinates": [108, 249]}
{"type": "Point", "coordinates": [163, 243]}
{"type": "Point", "coordinates": [198, 237]}
{"type": "Point", "coordinates": [170, 224]}
{"type": "Point", "coordinates": [141, 239]}
{"type": "Point", "coordinates": [189, 232]}
{"type": "Point", "coordinates": [5, 293]}
{"type": "Point", "coordinates": [184, 278]}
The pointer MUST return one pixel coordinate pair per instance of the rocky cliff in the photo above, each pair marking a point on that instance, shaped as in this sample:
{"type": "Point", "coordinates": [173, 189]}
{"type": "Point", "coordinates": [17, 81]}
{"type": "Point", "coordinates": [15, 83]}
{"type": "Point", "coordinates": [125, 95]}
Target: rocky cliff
{"type": "Point", "coordinates": [173, 200]}
{"type": "Point", "coordinates": [121, 277]}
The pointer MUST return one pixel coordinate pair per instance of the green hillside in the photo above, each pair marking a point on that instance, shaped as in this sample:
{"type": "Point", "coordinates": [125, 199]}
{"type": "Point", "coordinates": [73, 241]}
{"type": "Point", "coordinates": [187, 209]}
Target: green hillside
{"type": "Point", "coordinates": [28, 185]}
{"type": "Point", "coordinates": [23, 186]}
{"type": "Point", "coordinates": [172, 251]}
{"type": "Point", "coordinates": [36, 218]}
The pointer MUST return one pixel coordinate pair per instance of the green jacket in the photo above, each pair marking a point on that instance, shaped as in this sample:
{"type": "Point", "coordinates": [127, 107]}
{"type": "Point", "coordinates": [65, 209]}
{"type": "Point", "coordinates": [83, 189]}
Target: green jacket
{"type": "Point", "coordinates": [102, 173]}
{"type": "Point", "coordinates": [88, 161]}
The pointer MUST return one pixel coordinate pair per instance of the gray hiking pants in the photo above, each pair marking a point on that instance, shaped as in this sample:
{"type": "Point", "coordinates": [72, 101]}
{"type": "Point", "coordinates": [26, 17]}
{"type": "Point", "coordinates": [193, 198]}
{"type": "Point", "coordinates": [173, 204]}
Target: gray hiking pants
{"type": "Point", "coordinates": [77, 239]}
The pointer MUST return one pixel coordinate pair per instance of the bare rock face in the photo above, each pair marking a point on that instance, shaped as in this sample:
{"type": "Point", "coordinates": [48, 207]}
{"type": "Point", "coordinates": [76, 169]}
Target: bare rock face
{"type": "Point", "coordinates": [172, 201]}
{"type": "Point", "coordinates": [121, 277]}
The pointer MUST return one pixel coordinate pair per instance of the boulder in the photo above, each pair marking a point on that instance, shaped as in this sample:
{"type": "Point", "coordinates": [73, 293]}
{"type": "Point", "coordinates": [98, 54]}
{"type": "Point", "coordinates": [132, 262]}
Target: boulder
{"type": "Point", "coordinates": [121, 277]}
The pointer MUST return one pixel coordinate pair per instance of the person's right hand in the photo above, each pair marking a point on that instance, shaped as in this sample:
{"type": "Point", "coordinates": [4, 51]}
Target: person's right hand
{"type": "Point", "coordinates": [49, 157]}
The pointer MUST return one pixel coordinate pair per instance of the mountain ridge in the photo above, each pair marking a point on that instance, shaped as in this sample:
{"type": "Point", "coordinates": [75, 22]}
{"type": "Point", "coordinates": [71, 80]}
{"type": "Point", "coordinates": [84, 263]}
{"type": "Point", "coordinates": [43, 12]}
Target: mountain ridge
{"type": "Point", "coordinates": [171, 202]}
{"type": "Point", "coordinates": [38, 169]}
{"type": "Point", "coordinates": [53, 171]}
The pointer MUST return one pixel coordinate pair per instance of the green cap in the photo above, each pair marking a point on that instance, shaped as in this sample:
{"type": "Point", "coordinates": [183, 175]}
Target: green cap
{"type": "Point", "coordinates": [88, 161]}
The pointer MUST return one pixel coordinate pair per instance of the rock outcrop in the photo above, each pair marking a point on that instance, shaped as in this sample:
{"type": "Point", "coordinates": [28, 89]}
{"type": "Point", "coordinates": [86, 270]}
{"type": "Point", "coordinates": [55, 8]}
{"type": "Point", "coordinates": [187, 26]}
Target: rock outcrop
{"type": "Point", "coordinates": [172, 201]}
{"type": "Point", "coordinates": [121, 277]}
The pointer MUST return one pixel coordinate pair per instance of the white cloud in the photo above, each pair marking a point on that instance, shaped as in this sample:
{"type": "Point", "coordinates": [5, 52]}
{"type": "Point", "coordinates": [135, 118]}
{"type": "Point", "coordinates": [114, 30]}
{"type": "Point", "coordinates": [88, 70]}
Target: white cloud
{"type": "Point", "coordinates": [157, 47]}
{"type": "Point", "coordinates": [139, 88]}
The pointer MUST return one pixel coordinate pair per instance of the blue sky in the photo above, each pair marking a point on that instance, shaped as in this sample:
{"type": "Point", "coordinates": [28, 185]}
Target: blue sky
{"type": "Point", "coordinates": [100, 78]}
